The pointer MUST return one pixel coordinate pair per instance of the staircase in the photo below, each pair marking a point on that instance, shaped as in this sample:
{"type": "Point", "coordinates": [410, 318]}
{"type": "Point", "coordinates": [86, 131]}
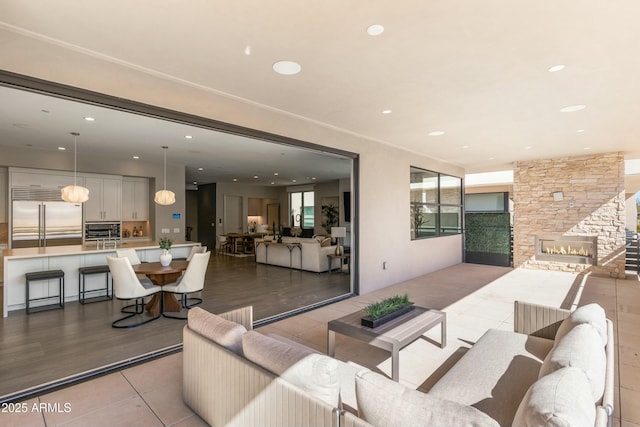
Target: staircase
{"type": "Point", "coordinates": [633, 252]}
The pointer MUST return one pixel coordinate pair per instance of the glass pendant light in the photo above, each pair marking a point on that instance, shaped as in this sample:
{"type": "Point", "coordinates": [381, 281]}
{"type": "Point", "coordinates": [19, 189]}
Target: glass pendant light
{"type": "Point", "coordinates": [74, 193]}
{"type": "Point", "coordinates": [164, 196]}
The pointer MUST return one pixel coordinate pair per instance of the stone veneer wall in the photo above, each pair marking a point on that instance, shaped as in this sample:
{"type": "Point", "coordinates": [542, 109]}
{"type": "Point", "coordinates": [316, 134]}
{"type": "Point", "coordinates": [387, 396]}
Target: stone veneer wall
{"type": "Point", "coordinates": [594, 204]}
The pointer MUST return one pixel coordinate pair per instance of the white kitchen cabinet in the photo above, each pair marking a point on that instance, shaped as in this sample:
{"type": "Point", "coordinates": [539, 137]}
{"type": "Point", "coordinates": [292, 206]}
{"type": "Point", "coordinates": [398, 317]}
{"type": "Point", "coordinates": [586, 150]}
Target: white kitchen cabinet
{"type": "Point", "coordinates": [21, 177]}
{"type": "Point", "coordinates": [105, 198]}
{"type": "Point", "coordinates": [135, 199]}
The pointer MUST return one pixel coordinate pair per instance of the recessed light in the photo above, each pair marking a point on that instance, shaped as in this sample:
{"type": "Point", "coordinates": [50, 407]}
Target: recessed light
{"type": "Point", "coordinates": [275, 174]}
{"type": "Point", "coordinates": [587, 148]}
{"type": "Point", "coordinates": [90, 119]}
{"type": "Point", "coordinates": [272, 183]}
{"type": "Point", "coordinates": [195, 182]}
{"type": "Point", "coordinates": [188, 137]}
{"type": "Point", "coordinates": [313, 178]}
{"type": "Point", "coordinates": [387, 111]}
{"type": "Point", "coordinates": [200, 169]}
{"type": "Point", "coordinates": [136, 157]}
{"type": "Point", "coordinates": [572, 108]}
{"type": "Point", "coordinates": [287, 68]}
{"type": "Point", "coordinates": [528, 147]}
{"type": "Point", "coordinates": [235, 179]}
{"type": "Point", "coordinates": [61, 148]}
{"type": "Point", "coordinates": [465, 146]}
{"type": "Point", "coordinates": [255, 176]}
{"type": "Point", "coordinates": [293, 180]}
{"type": "Point", "coordinates": [247, 50]}
{"type": "Point", "coordinates": [556, 68]}
{"type": "Point", "coordinates": [436, 133]}
{"type": "Point", "coordinates": [375, 30]}
{"type": "Point", "coordinates": [580, 130]}
{"type": "Point", "coordinates": [492, 158]}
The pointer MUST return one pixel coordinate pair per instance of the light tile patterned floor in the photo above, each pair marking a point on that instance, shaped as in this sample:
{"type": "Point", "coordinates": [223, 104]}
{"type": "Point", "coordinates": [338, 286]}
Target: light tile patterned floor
{"type": "Point", "coordinates": [475, 298]}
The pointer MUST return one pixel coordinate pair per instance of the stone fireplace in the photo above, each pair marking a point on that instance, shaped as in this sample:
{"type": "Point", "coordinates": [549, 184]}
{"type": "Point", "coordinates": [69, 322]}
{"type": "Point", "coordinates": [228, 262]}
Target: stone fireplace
{"type": "Point", "coordinates": [569, 214]}
{"type": "Point", "coordinates": [567, 248]}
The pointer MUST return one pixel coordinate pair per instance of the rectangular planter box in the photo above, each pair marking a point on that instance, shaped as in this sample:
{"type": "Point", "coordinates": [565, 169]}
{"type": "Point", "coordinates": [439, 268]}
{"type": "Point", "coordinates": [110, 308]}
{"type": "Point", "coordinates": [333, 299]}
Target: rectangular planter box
{"type": "Point", "coordinates": [374, 323]}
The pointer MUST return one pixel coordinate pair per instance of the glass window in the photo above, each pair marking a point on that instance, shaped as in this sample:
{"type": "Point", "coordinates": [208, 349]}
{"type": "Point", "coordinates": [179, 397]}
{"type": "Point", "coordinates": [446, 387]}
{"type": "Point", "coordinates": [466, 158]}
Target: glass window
{"type": "Point", "coordinates": [436, 204]}
{"type": "Point", "coordinates": [302, 206]}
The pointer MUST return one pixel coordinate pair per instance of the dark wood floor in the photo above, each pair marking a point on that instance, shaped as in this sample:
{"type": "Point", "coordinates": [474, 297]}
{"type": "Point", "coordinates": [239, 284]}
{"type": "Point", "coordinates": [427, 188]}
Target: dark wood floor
{"type": "Point", "coordinates": [49, 345]}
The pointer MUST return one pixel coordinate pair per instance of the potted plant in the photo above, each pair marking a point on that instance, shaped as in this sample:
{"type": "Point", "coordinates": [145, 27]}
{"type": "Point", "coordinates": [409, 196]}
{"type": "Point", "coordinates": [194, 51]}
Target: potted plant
{"type": "Point", "coordinates": [383, 311]}
{"type": "Point", "coordinates": [165, 245]}
{"type": "Point", "coordinates": [330, 213]}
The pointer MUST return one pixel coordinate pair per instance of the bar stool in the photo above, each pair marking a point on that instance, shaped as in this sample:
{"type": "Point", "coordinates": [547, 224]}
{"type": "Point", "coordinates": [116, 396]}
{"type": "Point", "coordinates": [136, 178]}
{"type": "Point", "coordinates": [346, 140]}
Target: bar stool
{"type": "Point", "coordinates": [96, 269]}
{"type": "Point", "coordinates": [45, 275]}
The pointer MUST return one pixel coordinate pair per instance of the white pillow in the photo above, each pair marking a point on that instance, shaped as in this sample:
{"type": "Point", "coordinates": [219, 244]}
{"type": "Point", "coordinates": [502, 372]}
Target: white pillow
{"type": "Point", "coordinates": [591, 313]}
{"type": "Point", "coordinates": [314, 373]}
{"type": "Point", "coordinates": [581, 348]}
{"type": "Point", "coordinates": [562, 398]}
{"type": "Point", "coordinates": [386, 403]}
{"type": "Point", "coordinates": [221, 331]}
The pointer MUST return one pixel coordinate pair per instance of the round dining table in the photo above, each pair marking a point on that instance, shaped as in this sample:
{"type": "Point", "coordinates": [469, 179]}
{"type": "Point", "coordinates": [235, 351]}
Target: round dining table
{"type": "Point", "coordinates": [162, 275]}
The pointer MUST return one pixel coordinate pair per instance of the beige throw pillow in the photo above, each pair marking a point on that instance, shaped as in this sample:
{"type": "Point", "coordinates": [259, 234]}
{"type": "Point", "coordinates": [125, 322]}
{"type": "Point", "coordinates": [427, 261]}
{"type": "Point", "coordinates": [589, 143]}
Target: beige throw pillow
{"type": "Point", "coordinates": [383, 402]}
{"type": "Point", "coordinates": [325, 242]}
{"type": "Point", "coordinates": [591, 313]}
{"type": "Point", "coordinates": [314, 373]}
{"type": "Point", "coordinates": [562, 398]}
{"type": "Point", "coordinates": [581, 348]}
{"type": "Point", "coordinates": [221, 331]}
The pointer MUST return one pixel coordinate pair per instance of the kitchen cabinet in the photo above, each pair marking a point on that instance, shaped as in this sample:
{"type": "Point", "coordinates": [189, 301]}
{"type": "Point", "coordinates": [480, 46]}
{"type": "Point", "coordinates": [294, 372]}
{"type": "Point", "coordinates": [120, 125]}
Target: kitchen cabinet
{"type": "Point", "coordinates": [4, 188]}
{"type": "Point", "coordinates": [20, 177]}
{"type": "Point", "coordinates": [135, 199]}
{"type": "Point", "coordinates": [105, 198]}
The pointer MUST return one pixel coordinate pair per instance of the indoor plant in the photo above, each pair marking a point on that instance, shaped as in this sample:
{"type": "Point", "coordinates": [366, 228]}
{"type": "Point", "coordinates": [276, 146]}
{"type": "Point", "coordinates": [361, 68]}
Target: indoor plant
{"type": "Point", "coordinates": [165, 245]}
{"type": "Point", "coordinates": [330, 213]}
{"type": "Point", "coordinates": [380, 312]}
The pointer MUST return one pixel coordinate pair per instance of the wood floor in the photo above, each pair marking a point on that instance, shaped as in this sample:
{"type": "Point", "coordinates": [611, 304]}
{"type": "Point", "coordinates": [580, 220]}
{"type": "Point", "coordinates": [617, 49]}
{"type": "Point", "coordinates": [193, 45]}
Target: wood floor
{"type": "Point", "coordinates": [46, 346]}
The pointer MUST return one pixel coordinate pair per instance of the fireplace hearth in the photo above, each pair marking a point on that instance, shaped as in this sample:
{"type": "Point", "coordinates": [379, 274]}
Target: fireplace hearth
{"type": "Point", "coordinates": [567, 249]}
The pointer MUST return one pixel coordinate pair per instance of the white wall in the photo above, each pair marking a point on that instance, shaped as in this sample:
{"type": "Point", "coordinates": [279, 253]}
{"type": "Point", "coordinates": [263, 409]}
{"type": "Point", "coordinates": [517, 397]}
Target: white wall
{"type": "Point", "coordinates": [631, 221]}
{"type": "Point", "coordinates": [384, 170]}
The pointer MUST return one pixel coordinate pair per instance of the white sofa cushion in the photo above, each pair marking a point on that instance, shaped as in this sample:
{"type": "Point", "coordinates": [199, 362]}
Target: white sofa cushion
{"type": "Point", "coordinates": [562, 398]}
{"type": "Point", "coordinates": [383, 402]}
{"type": "Point", "coordinates": [221, 331]}
{"type": "Point", "coordinates": [314, 373]}
{"type": "Point", "coordinates": [581, 348]}
{"type": "Point", "coordinates": [591, 313]}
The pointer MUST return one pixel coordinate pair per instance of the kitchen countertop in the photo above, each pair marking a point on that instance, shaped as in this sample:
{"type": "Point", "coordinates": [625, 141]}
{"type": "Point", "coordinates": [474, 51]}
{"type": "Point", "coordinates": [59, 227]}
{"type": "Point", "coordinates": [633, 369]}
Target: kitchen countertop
{"type": "Point", "coordinates": [82, 249]}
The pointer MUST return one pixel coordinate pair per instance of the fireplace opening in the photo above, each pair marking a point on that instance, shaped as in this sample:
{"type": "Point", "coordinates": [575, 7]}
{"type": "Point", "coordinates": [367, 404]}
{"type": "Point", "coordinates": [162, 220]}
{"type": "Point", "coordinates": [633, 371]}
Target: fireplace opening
{"type": "Point", "coordinates": [567, 248]}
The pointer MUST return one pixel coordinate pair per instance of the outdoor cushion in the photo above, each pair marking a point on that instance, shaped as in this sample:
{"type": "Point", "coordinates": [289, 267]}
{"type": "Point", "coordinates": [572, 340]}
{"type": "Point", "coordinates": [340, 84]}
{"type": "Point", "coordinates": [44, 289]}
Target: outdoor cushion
{"type": "Point", "coordinates": [562, 398]}
{"type": "Point", "coordinates": [581, 348]}
{"type": "Point", "coordinates": [221, 331]}
{"type": "Point", "coordinates": [314, 373]}
{"type": "Point", "coordinates": [494, 375]}
{"type": "Point", "coordinates": [591, 313]}
{"type": "Point", "coordinates": [383, 402]}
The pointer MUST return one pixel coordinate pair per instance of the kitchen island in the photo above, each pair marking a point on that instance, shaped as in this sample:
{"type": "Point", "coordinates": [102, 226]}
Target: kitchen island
{"type": "Point", "coordinates": [19, 261]}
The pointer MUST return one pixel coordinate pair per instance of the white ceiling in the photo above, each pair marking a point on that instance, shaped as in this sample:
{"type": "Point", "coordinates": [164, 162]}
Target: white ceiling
{"type": "Point", "coordinates": [476, 70]}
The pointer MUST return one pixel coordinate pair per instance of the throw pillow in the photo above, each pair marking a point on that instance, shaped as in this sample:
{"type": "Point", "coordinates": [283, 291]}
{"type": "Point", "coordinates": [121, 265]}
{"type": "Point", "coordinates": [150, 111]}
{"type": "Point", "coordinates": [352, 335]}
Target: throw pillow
{"type": "Point", "coordinates": [314, 373]}
{"type": "Point", "coordinates": [590, 313]}
{"type": "Point", "coordinates": [581, 348]}
{"type": "Point", "coordinates": [221, 331]}
{"type": "Point", "coordinates": [325, 242]}
{"type": "Point", "coordinates": [562, 398]}
{"type": "Point", "coordinates": [383, 402]}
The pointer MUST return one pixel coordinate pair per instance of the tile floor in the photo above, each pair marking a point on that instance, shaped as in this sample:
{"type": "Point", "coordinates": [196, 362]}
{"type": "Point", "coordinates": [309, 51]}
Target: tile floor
{"type": "Point", "coordinates": [475, 298]}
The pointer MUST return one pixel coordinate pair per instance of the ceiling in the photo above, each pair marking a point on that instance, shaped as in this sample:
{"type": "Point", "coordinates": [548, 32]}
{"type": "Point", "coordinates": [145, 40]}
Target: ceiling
{"type": "Point", "coordinates": [477, 71]}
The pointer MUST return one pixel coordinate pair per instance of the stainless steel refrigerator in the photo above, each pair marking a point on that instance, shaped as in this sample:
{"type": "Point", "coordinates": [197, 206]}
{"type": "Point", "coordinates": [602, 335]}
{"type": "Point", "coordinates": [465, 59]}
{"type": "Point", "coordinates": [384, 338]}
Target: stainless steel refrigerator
{"type": "Point", "coordinates": [39, 218]}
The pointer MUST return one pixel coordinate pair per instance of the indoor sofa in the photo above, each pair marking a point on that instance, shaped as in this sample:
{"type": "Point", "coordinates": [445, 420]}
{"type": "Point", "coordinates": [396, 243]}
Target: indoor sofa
{"type": "Point", "coordinates": [311, 252]}
{"type": "Point", "coordinates": [555, 369]}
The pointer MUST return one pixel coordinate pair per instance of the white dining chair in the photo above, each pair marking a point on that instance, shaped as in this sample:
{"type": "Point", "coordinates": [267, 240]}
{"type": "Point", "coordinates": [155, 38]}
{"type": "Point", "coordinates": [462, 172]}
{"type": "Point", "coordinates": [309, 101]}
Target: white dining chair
{"type": "Point", "coordinates": [127, 286]}
{"type": "Point", "coordinates": [190, 282]}
{"type": "Point", "coordinates": [196, 250]}
{"type": "Point", "coordinates": [129, 253]}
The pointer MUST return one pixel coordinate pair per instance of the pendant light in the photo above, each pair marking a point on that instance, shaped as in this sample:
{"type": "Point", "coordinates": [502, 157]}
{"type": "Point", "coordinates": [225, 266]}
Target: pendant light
{"type": "Point", "coordinates": [164, 196]}
{"type": "Point", "coordinates": [74, 193]}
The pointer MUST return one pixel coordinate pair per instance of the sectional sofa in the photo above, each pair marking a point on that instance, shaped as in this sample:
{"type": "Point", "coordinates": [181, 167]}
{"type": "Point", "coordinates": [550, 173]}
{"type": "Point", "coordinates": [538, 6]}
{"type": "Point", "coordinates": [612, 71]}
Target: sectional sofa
{"type": "Point", "coordinates": [310, 256]}
{"type": "Point", "coordinates": [556, 368]}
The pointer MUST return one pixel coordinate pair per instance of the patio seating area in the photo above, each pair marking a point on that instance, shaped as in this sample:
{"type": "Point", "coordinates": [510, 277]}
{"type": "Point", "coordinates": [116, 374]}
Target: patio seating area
{"type": "Point", "coordinates": [475, 297]}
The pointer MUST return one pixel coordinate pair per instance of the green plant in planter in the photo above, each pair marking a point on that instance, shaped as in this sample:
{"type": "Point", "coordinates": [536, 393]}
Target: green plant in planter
{"type": "Point", "coordinates": [378, 309]}
{"type": "Point", "coordinates": [165, 243]}
{"type": "Point", "coordinates": [330, 213]}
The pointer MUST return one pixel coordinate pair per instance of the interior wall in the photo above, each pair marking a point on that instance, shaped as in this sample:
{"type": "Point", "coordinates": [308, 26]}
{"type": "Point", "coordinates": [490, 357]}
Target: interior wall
{"type": "Point", "coordinates": [384, 170]}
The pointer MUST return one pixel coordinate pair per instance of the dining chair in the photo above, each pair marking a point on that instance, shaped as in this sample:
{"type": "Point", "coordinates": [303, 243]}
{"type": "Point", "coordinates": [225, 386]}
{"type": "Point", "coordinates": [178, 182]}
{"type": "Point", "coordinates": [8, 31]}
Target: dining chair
{"type": "Point", "coordinates": [128, 286]}
{"type": "Point", "coordinates": [196, 250]}
{"type": "Point", "coordinates": [191, 281]}
{"type": "Point", "coordinates": [223, 242]}
{"type": "Point", "coordinates": [129, 253]}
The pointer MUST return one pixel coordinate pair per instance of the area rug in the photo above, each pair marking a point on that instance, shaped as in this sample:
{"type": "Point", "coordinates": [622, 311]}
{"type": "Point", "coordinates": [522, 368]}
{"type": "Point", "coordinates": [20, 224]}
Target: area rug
{"type": "Point", "coordinates": [237, 255]}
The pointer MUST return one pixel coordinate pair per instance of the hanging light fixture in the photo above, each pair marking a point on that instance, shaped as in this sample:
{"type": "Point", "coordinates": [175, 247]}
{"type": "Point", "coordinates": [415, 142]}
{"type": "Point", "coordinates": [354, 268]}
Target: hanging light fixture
{"type": "Point", "coordinates": [74, 193]}
{"type": "Point", "coordinates": [164, 196]}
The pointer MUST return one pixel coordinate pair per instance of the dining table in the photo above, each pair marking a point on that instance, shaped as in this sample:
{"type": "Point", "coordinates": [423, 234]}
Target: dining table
{"type": "Point", "coordinates": [162, 275]}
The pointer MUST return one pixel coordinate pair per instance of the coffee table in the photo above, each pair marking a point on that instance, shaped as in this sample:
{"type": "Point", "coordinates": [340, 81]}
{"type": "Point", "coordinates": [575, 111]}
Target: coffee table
{"type": "Point", "coordinates": [392, 336]}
